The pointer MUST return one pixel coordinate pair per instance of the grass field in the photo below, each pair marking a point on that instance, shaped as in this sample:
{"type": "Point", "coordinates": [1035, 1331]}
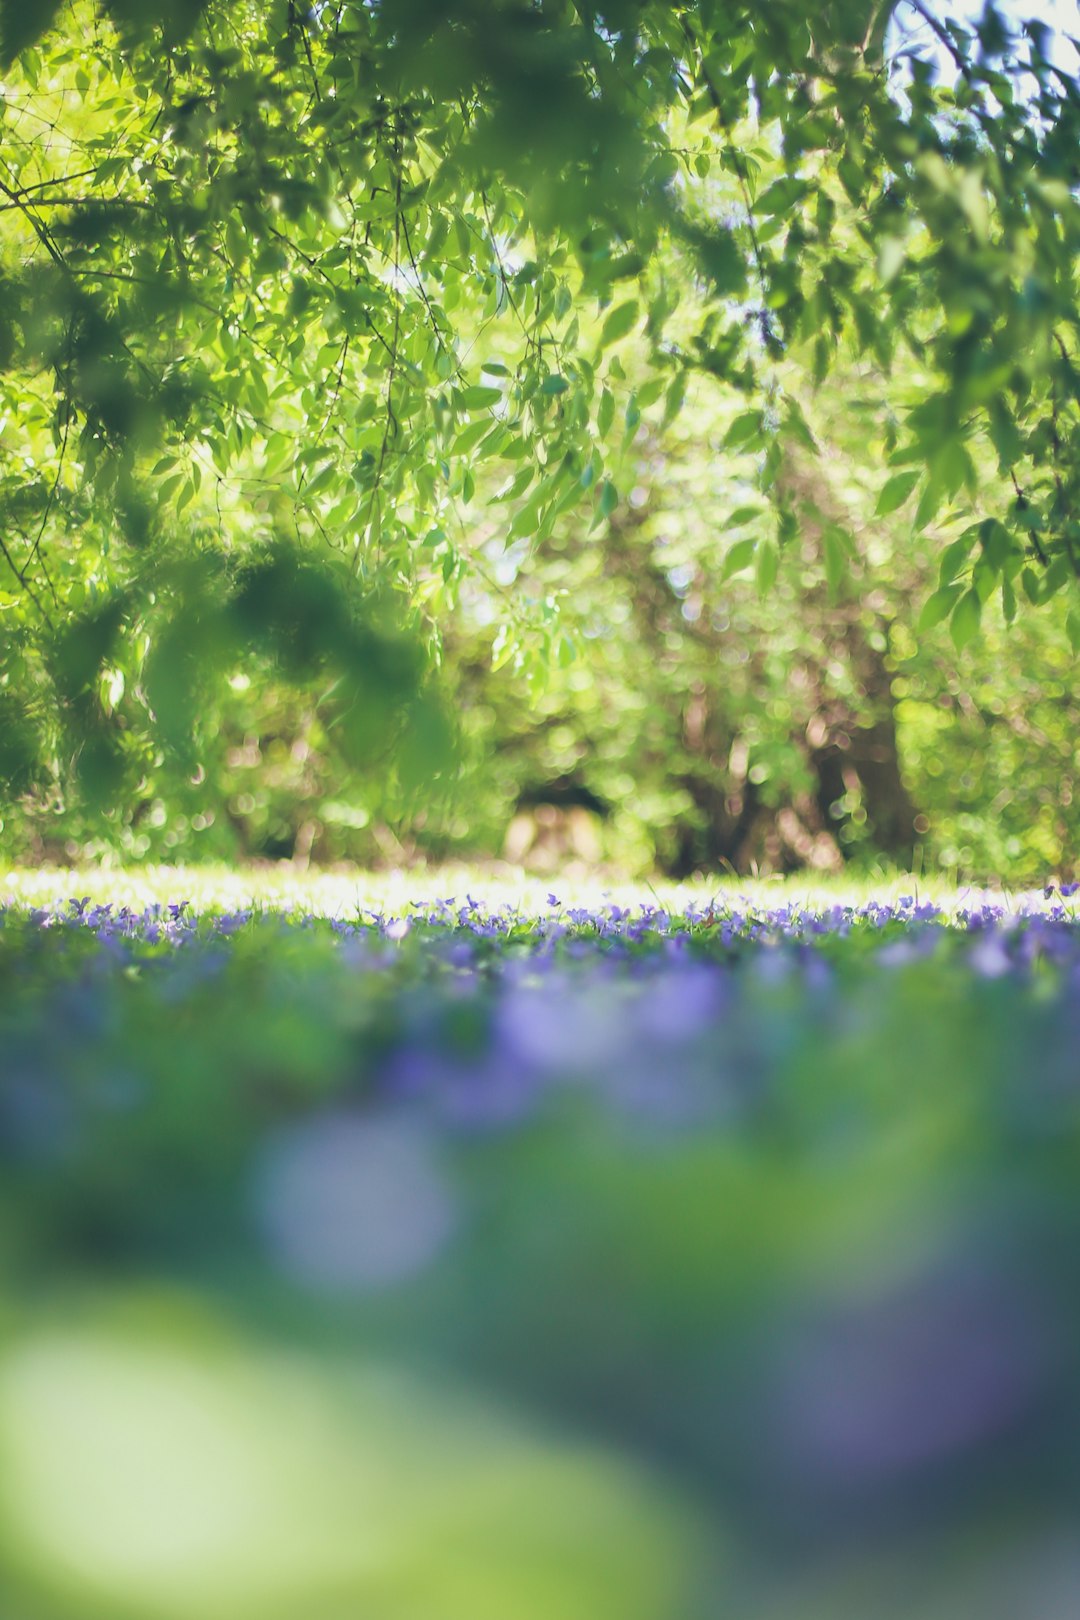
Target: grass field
{"type": "Point", "coordinates": [451, 1246]}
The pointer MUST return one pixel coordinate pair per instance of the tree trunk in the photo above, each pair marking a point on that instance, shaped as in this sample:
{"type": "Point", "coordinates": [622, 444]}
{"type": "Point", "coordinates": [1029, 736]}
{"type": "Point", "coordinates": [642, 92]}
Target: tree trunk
{"type": "Point", "coordinates": [853, 754]}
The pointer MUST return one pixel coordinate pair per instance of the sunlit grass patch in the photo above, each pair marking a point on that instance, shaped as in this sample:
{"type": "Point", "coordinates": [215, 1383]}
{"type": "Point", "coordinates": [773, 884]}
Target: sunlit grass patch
{"type": "Point", "coordinates": [343, 893]}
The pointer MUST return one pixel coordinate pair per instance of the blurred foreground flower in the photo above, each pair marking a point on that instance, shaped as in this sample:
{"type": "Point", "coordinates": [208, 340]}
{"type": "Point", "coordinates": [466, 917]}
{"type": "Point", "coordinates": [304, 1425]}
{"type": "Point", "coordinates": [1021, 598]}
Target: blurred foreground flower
{"type": "Point", "coordinates": [352, 1202]}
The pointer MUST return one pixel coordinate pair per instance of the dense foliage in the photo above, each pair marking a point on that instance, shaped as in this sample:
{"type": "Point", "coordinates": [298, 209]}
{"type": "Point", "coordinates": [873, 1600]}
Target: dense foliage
{"type": "Point", "coordinates": [316, 326]}
{"type": "Point", "coordinates": [607, 1263]}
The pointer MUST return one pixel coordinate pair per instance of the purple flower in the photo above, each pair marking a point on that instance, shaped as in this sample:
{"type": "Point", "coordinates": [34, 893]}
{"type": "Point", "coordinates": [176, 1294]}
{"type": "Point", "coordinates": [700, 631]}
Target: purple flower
{"type": "Point", "coordinates": [350, 1204]}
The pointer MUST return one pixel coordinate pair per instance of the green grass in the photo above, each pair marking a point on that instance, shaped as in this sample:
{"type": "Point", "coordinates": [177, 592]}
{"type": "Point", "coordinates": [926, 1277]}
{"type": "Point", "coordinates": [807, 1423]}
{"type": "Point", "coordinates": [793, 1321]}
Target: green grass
{"type": "Point", "coordinates": [645, 1272]}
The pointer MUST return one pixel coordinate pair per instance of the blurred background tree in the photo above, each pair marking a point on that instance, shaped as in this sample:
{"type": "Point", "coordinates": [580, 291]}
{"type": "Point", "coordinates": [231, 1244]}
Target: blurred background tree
{"type": "Point", "coordinates": [620, 432]}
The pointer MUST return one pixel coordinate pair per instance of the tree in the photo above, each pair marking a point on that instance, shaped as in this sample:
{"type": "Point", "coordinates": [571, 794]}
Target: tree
{"type": "Point", "coordinates": [279, 285]}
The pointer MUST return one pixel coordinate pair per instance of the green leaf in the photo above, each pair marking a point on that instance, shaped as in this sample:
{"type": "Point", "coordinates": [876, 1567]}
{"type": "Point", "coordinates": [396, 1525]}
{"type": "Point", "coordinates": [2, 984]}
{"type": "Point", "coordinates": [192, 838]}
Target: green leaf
{"type": "Point", "coordinates": [470, 436]}
{"type": "Point", "coordinates": [606, 413]}
{"type": "Point", "coordinates": [1056, 577]}
{"type": "Point", "coordinates": [954, 466]}
{"type": "Point", "coordinates": [896, 491]}
{"type": "Point", "coordinates": [518, 485]}
{"type": "Point", "coordinates": [674, 399]}
{"type": "Point", "coordinates": [984, 577]}
{"type": "Point", "coordinates": [767, 565]}
{"type": "Point", "coordinates": [21, 24]}
{"type": "Point", "coordinates": [570, 496]}
{"type": "Point", "coordinates": [607, 499]}
{"type": "Point", "coordinates": [929, 502]}
{"type": "Point", "coordinates": [621, 320]}
{"type": "Point", "coordinates": [955, 556]}
{"type": "Point", "coordinates": [966, 615]}
{"type": "Point", "coordinates": [322, 480]}
{"type": "Point", "coordinates": [554, 385]}
{"type": "Point", "coordinates": [500, 443]}
{"type": "Point", "coordinates": [799, 428]}
{"type": "Point", "coordinates": [997, 542]}
{"type": "Point", "coordinates": [938, 606]}
{"type": "Point", "coordinates": [503, 648]}
{"type": "Point", "coordinates": [737, 557]}
{"type": "Point", "coordinates": [745, 430]}
{"type": "Point", "coordinates": [527, 520]}
{"type": "Point", "coordinates": [850, 179]}
{"type": "Point", "coordinates": [823, 353]}
{"type": "Point", "coordinates": [650, 391]}
{"type": "Point", "coordinates": [781, 196]}
{"type": "Point", "coordinates": [479, 397]}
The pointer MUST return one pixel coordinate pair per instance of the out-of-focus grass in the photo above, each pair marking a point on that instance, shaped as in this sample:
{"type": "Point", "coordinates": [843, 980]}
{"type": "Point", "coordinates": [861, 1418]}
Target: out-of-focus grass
{"type": "Point", "coordinates": [552, 1269]}
{"type": "Point", "coordinates": [156, 1465]}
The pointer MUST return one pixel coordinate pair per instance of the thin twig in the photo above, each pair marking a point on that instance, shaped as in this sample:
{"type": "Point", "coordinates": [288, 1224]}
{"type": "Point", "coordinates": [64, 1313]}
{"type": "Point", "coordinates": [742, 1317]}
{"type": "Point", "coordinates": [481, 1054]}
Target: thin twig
{"type": "Point", "coordinates": [23, 581]}
{"type": "Point", "coordinates": [963, 66]}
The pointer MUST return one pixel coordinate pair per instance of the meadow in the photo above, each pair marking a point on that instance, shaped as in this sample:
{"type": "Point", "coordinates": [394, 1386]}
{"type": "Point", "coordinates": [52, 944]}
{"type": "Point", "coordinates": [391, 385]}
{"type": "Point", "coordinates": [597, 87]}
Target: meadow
{"type": "Point", "coordinates": [618, 437]}
{"type": "Point", "coordinates": [514, 1253]}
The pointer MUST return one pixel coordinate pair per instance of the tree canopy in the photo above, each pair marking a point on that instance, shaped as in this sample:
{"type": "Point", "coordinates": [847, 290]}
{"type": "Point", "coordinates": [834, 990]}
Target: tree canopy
{"type": "Point", "coordinates": [297, 304]}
